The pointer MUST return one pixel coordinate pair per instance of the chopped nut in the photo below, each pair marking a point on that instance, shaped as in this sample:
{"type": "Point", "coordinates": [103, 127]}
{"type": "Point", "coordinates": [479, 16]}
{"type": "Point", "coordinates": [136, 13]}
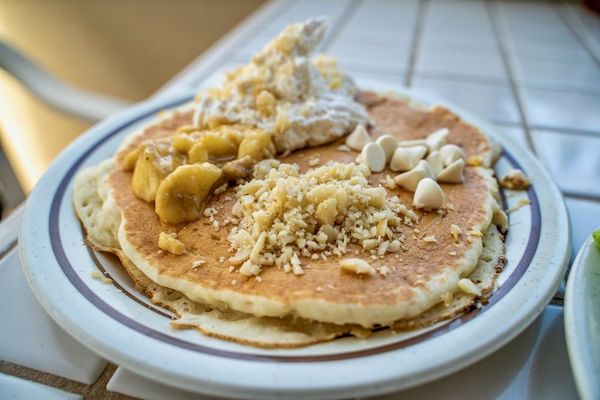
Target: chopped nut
{"type": "Point", "coordinates": [314, 161]}
{"type": "Point", "coordinates": [475, 161]}
{"type": "Point", "coordinates": [357, 266]}
{"type": "Point", "coordinates": [198, 263]}
{"type": "Point", "coordinates": [455, 232]}
{"type": "Point", "coordinates": [447, 298]}
{"type": "Point", "coordinates": [169, 242]}
{"type": "Point", "coordinates": [383, 270]}
{"type": "Point", "coordinates": [515, 179]}
{"type": "Point", "coordinates": [430, 239]}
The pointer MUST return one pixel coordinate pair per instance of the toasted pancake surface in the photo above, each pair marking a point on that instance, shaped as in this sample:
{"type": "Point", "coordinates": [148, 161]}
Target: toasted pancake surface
{"type": "Point", "coordinates": [420, 275]}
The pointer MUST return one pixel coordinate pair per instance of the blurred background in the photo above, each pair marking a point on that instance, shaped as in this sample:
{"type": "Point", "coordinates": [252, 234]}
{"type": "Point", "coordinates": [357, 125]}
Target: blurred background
{"type": "Point", "coordinates": [126, 49]}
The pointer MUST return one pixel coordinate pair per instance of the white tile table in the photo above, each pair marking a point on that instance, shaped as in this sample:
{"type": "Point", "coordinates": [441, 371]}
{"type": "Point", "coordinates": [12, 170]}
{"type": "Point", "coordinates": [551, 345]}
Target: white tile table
{"type": "Point", "coordinates": [524, 65]}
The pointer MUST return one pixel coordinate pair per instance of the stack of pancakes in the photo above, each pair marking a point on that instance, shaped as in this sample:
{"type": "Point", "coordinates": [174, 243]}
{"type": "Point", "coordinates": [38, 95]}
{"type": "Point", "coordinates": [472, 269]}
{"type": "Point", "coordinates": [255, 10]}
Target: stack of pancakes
{"type": "Point", "coordinates": [285, 310]}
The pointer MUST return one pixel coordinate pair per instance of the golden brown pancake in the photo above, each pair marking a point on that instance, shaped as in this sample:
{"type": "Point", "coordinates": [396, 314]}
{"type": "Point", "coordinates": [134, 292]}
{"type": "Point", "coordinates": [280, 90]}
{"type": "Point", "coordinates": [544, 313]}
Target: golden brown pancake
{"type": "Point", "coordinates": [422, 274]}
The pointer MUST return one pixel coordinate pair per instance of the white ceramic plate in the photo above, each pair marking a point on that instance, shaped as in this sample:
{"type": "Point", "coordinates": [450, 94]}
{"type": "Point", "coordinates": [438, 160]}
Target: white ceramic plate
{"type": "Point", "coordinates": [121, 325]}
{"type": "Point", "coordinates": [582, 320]}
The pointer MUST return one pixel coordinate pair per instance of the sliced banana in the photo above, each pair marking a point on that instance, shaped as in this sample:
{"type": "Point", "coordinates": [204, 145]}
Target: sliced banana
{"type": "Point", "coordinates": [406, 158]}
{"type": "Point", "coordinates": [453, 173]}
{"type": "Point", "coordinates": [131, 158]}
{"type": "Point", "coordinates": [409, 180]}
{"type": "Point", "coordinates": [358, 138]}
{"type": "Point", "coordinates": [180, 196]}
{"type": "Point", "coordinates": [257, 144]}
{"type": "Point", "coordinates": [183, 142]}
{"type": "Point", "coordinates": [154, 163]}
{"type": "Point", "coordinates": [198, 154]}
{"type": "Point", "coordinates": [428, 195]}
{"type": "Point", "coordinates": [218, 146]}
{"type": "Point", "coordinates": [388, 143]}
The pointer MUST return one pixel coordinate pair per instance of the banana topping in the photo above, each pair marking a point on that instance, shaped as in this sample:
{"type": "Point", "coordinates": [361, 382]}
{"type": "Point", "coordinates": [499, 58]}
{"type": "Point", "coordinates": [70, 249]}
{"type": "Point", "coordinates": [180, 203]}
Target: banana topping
{"type": "Point", "coordinates": [181, 194]}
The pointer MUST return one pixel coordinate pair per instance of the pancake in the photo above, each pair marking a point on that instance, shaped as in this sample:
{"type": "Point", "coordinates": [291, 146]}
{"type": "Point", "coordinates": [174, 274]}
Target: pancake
{"type": "Point", "coordinates": [422, 276]}
{"type": "Point", "coordinates": [100, 216]}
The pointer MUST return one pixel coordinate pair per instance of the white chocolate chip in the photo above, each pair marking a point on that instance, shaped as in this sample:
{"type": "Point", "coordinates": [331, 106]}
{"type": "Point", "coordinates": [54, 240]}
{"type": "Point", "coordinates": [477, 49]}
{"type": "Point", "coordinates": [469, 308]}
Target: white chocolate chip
{"type": "Point", "coordinates": [428, 195]}
{"type": "Point", "coordinates": [435, 160]}
{"type": "Point", "coordinates": [388, 143]}
{"type": "Point", "coordinates": [411, 143]}
{"type": "Point", "coordinates": [409, 180]}
{"type": "Point", "coordinates": [437, 139]}
{"type": "Point", "coordinates": [453, 173]}
{"type": "Point", "coordinates": [373, 156]}
{"type": "Point", "coordinates": [451, 153]}
{"type": "Point", "coordinates": [405, 158]}
{"type": "Point", "coordinates": [358, 138]}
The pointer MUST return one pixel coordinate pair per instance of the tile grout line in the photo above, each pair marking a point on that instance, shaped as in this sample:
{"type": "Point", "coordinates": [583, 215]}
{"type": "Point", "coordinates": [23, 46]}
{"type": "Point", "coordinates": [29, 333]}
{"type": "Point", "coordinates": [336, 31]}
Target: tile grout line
{"type": "Point", "coordinates": [341, 22]}
{"type": "Point", "coordinates": [569, 23]}
{"type": "Point", "coordinates": [491, 10]}
{"type": "Point", "coordinates": [416, 42]}
{"type": "Point", "coordinates": [580, 196]}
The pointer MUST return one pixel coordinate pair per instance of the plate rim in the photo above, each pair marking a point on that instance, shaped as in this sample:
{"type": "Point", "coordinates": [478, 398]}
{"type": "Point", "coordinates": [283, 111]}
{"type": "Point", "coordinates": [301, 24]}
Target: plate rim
{"type": "Point", "coordinates": [390, 384]}
{"type": "Point", "coordinates": [580, 363]}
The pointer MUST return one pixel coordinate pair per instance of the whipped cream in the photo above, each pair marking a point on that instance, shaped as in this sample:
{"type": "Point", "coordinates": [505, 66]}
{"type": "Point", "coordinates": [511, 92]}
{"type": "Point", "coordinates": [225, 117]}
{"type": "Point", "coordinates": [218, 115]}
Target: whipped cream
{"type": "Point", "coordinates": [301, 101]}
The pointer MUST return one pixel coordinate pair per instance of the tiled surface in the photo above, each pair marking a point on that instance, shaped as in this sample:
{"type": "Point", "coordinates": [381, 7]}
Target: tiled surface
{"type": "Point", "coordinates": [531, 67]}
{"type": "Point", "coordinates": [21, 389]}
{"type": "Point", "coordinates": [531, 366]}
{"type": "Point", "coordinates": [573, 160]}
{"type": "Point", "coordinates": [561, 109]}
{"type": "Point", "coordinates": [130, 384]}
{"type": "Point", "coordinates": [585, 217]}
{"type": "Point", "coordinates": [30, 338]}
{"type": "Point", "coordinates": [494, 102]}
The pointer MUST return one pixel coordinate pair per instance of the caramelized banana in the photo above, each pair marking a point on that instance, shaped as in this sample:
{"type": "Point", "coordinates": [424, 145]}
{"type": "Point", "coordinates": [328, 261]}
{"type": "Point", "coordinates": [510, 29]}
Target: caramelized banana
{"type": "Point", "coordinates": [154, 163]}
{"type": "Point", "coordinates": [257, 144]}
{"type": "Point", "coordinates": [198, 154]}
{"type": "Point", "coordinates": [183, 142]}
{"type": "Point", "coordinates": [180, 196]}
{"type": "Point", "coordinates": [130, 159]}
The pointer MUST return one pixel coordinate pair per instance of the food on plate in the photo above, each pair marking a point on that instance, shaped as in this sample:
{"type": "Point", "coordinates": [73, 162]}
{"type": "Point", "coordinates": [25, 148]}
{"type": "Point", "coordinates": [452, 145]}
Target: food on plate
{"type": "Point", "coordinates": [515, 179]}
{"type": "Point", "coordinates": [287, 207]}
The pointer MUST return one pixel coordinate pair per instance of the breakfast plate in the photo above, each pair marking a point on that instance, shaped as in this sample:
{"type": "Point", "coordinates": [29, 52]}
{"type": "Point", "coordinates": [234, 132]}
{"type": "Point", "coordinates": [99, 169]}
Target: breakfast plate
{"type": "Point", "coordinates": [582, 314]}
{"type": "Point", "coordinates": [108, 315]}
